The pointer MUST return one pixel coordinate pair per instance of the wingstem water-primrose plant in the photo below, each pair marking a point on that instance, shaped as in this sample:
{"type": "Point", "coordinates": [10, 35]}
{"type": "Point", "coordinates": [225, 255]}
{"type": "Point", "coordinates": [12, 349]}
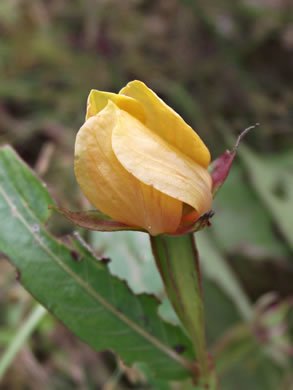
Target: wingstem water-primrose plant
{"type": "Point", "coordinates": [144, 169]}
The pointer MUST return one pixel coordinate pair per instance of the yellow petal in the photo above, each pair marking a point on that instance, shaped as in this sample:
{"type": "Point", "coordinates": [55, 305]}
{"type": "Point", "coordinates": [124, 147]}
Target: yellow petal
{"type": "Point", "coordinates": [166, 123]}
{"type": "Point", "coordinates": [153, 161]}
{"type": "Point", "coordinates": [113, 190]}
{"type": "Point", "coordinates": [98, 100]}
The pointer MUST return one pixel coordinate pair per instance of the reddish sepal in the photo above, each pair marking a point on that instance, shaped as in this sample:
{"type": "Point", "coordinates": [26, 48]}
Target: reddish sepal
{"type": "Point", "coordinates": [220, 168]}
{"type": "Point", "coordinates": [93, 220]}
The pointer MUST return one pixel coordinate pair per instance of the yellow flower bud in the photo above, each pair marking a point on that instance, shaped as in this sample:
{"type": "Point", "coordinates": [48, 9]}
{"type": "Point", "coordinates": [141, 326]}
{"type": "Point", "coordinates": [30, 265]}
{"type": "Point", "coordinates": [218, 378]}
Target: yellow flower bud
{"type": "Point", "coordinates": [138, 162]}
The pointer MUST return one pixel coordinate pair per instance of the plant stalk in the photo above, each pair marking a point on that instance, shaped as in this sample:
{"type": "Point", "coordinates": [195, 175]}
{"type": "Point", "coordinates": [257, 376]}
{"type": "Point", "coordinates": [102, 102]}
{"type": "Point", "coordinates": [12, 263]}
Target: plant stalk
{"type": "Point", "coordinates": [177, 260]}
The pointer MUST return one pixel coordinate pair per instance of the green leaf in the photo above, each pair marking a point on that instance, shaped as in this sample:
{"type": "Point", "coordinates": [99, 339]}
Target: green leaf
{"type": "Point", "coordinates": [238, 204]}
{"type": "Point", "coordinates": [252, 371]}
{"type": "Point", "coordinates": [97, 307]}
{"type": "Point", "coordinates": [221, 312]}
{"type": "Point", "coordinates": [275, 187]}
{"type": "Point", "coordinates": [132, 260]}
{"type": "Point", "coordinates": [217, 269]}
{"type": "Point", "coordinates": [153, 382]}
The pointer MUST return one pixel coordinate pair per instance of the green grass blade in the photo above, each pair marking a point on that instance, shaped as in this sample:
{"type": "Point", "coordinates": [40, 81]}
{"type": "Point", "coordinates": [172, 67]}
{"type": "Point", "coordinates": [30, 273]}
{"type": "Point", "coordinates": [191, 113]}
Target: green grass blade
{"type": "Point", "coordinates": [20, 338]}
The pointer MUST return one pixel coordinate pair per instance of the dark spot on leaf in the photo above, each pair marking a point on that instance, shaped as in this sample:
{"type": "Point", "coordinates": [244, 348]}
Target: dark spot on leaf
{"type": "Point", "coordinates": [75, 255]}
{"type": "Point", "coordinates": [179, 348]}
{"type": "Point", "coordinates": [146, 323]}
{"type": "Point", "coordinates": [105, 260]}
{"type": "Point", "coordinates": [145, 320]}
{"type": "Point", "coordinates": [279, 189]}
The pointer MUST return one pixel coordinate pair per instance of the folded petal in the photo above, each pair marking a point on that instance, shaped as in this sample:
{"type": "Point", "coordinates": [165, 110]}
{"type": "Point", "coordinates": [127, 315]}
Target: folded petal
{"type": "Point", "coordinates": [156, 163]}
{"type": "Point", "coordinates": [111, 188]}
{"type": "Point", "coordinates": [166, 123]}
{"type": "Point", "coordinates": [98, 100]}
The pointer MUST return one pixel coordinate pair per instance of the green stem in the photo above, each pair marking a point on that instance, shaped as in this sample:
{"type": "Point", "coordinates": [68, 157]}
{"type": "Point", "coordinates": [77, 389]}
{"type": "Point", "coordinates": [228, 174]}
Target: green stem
{"type": "Point", "coordinates": [177, 261]}
{"type": "Point", "coordinates": [20, 338]}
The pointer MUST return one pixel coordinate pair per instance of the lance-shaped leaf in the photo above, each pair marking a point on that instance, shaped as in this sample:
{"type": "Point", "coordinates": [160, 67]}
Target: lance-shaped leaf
{"type": "Point", "coordinates": [97, 307]}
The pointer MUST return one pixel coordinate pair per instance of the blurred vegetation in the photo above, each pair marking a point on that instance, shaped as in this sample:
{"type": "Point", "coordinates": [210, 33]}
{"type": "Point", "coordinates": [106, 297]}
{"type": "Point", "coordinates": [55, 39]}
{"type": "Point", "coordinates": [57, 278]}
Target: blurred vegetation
{"type": "Point", "coordinates": [223, 66]}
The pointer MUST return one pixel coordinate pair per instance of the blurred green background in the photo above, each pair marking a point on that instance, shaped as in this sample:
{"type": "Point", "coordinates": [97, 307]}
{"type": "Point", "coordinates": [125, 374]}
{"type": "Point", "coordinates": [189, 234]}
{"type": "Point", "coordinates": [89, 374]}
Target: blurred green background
{"type": "Point", "coordinates": [223, 65]}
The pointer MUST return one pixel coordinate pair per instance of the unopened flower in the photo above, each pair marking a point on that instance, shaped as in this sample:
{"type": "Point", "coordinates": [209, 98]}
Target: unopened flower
{"type": "Point", "coordinates": [138, 162]}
